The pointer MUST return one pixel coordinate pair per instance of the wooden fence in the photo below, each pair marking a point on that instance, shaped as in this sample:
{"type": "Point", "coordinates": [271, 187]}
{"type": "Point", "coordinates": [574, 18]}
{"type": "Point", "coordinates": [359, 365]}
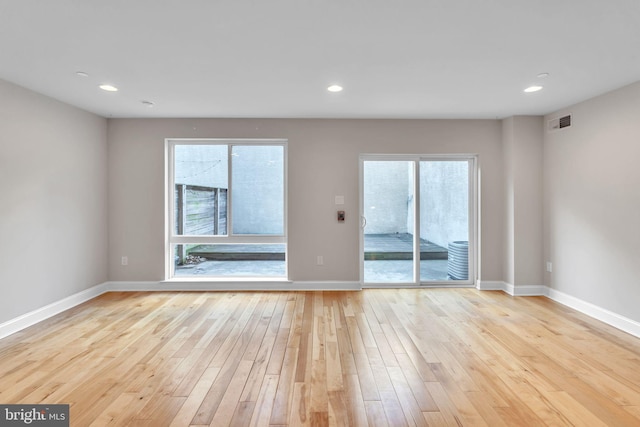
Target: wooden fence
{"type": "Point", "coordinates": [199, 211]}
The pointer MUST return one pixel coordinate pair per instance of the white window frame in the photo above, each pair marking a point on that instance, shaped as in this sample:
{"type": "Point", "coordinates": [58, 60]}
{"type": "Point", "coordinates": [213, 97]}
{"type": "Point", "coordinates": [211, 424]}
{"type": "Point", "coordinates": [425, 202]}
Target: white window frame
{"type": "Point", "coordinates": [171, 239]}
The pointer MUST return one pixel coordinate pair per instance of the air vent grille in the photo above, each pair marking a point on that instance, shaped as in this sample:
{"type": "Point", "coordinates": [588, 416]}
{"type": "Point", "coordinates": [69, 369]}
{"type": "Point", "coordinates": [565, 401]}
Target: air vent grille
{"type": "Point", "coordinates": [559, 123]}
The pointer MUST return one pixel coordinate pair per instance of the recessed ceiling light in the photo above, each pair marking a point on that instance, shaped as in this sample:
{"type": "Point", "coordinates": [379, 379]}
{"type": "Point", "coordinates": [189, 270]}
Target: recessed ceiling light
{"type": "Point", "coordinates": [81, 74]}
{"type": "Point", "coordinates": [108, 88]}
{"type": "Point", "coordinates": [147, 103]}
{"type": "Point", "coordinates": [543, 75]}
{"type": "Point", "coordinates": [533, 89]}
{"type": "Point", "coordinates": [334, 88]}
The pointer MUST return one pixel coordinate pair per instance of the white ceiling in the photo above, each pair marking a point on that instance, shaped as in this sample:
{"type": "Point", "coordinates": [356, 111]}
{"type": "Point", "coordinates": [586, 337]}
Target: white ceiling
{"type": "Point", "coordinates": [275, 58]}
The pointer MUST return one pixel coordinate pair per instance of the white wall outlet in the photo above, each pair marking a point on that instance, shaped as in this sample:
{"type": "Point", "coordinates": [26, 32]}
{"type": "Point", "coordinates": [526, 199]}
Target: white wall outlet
{"type": "Point", "coordinates": [549, 267]}
{"type": "Point", "coordinates": [319, 260]}
{"type": "Point", "coordinates": [125, 260]}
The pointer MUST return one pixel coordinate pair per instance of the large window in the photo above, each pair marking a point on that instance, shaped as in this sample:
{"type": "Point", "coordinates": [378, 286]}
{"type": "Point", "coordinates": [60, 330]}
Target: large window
{"type": "Point", "coordinates": [227, 208]}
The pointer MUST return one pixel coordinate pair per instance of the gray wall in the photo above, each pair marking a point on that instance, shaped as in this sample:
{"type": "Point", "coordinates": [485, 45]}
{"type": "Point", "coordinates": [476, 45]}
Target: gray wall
{"type": "Point", "coordinates": [523, 243]}
{"type": "Point", "coordinates": [323, 163]}
{"type": "Point", "coordinates": [53, 214]}
{"type": "Point", "coordinates": [61, 180]}
{"type": "Point", "coordinates": [592, 202]}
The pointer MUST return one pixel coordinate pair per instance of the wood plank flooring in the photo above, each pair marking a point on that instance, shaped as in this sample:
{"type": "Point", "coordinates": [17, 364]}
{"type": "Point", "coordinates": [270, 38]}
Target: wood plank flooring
{"type": "Point", "coordinates": [392, 357]}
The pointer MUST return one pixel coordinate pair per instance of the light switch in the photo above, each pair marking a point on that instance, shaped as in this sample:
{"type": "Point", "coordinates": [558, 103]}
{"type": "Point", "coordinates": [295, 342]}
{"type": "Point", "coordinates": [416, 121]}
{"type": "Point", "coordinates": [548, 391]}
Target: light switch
{"type": "Point", "coordinates": [339, 200]}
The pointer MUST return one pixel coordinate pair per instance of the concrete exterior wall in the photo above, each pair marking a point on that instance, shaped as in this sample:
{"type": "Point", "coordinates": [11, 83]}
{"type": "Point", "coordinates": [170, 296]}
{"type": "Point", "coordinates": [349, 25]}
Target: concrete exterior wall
{"type": "Point", "coordinates": [444, 201]}
{"type": "Point", "coordinates": [204, 165]}
{"type": "Point", "coordinates": [258, 190]}
{"type": "Point", "coordinates": [387, 195]}
{"type": "Point", "coordinates": [444, 208]}
{"type": "Point", "coordinates": [257, 178]}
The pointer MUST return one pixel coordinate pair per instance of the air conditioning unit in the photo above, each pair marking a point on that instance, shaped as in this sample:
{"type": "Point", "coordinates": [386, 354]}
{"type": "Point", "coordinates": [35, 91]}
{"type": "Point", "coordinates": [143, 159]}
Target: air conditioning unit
{"type": "Point", "coordinates": [458, 264]}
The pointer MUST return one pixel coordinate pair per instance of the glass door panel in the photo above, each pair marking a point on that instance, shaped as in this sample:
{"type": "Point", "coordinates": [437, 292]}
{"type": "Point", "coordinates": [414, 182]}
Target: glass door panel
{"type": "Point", "coordinates": [444, 220]}
{"type": "Point", "coordinates": [388, 221]}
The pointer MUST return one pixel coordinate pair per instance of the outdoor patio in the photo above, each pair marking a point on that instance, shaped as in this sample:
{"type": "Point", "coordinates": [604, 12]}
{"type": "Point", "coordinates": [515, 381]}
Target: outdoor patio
{"type": "Point", "coordinates": [388, 258]}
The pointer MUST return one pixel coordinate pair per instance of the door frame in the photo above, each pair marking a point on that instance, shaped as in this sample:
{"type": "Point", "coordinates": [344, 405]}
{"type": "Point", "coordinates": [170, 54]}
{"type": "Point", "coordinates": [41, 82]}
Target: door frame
{"type": "Point", "coordinates": [473, 215]}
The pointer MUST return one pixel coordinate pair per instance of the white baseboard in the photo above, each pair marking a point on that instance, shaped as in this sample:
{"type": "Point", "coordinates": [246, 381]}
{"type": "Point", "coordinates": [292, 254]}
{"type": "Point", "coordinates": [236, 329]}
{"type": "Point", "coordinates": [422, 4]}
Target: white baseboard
{"type": "Point", "coordinates": [141, 286]}
{"type": "Point", "coordinates": [617, 321]}
{"type": "Point", "coordinates": [526, 290]}
{"type": "Point", "coordinates": [243, 285]}
{"type": "Point", "coordinates": [516, 291]}
{"type": "Point", "coordinates": [613, 319]}
{"type": "Point", "coordinates": [29, 319]}
{"type": "Point", "coordinates": [326, 286]}
{"type": "Point", "coordinates": [488, 285]}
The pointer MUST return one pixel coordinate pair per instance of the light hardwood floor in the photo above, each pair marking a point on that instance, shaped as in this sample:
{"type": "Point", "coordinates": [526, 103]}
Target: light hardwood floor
{"type": "Point", "coordinates": [400, 357]}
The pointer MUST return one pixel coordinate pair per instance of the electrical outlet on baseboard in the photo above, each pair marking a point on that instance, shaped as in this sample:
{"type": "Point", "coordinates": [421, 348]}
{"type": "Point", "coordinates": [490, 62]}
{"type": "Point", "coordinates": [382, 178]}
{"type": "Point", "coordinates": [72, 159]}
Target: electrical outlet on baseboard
{"type": "Point", "coordinates": [549, 267]}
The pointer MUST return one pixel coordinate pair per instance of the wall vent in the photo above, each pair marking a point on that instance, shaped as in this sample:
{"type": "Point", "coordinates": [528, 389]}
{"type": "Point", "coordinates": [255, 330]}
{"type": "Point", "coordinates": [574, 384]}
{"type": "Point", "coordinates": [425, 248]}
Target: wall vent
{"type": "Point", "coordinates": [559, 123]}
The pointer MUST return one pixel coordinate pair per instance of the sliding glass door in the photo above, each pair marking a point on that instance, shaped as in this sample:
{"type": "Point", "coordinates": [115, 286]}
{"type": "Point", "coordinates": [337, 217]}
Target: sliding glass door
{"type": "Point", "coordinates": [418, 220]}
{"type": "Point", "coordinates": [387, 214]}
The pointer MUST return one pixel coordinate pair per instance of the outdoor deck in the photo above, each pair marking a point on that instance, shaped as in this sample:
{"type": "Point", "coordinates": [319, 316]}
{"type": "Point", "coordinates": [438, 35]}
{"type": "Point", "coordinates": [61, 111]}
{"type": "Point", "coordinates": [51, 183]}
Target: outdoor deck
{"type": "Point", "coordinates": [399, 246]}
{"type": "Point", "coordinates": [389, 258]}
{"type": "Point", "coordinates": [382, 247]}
{"type": "Point", "coordinates": [274, 252]}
